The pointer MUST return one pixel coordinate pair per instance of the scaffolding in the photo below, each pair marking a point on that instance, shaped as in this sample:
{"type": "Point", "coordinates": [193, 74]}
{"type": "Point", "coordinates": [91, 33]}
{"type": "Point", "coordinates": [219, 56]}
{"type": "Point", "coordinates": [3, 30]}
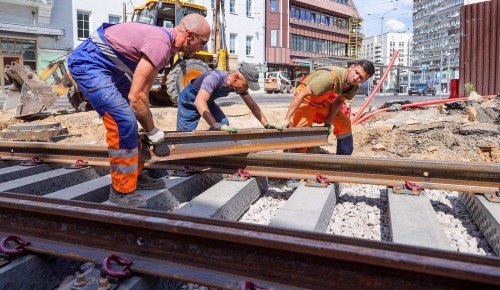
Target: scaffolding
{"type": "Point", "coordinates": [356, 37]}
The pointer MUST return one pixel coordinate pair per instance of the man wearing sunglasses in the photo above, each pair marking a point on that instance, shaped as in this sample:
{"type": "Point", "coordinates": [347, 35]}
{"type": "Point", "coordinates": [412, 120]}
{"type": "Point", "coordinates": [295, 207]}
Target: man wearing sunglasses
{"type": "Point", "coordinates": [115, 68]}
{"type": "Point", "coordinates": [198, 98]}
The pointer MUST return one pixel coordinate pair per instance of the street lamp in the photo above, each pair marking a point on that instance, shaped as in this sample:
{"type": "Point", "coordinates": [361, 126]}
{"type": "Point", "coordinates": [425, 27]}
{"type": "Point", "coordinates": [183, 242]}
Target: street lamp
{"type": "Point", "coordinates": [381, 29]}
{"type": "Point", "coordinates": [382, 19]}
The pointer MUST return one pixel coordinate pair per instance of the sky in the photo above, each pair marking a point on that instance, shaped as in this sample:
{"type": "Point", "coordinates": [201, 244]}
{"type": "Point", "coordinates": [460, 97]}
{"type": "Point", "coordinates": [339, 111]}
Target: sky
{"type": "Point", "coordinates": [394, 21]}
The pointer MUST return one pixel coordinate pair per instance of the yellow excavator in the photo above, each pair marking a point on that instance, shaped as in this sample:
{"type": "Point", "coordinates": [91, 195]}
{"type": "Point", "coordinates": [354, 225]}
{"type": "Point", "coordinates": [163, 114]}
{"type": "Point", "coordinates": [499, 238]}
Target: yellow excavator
{"type": "Point", "coordinates": [30, 93]}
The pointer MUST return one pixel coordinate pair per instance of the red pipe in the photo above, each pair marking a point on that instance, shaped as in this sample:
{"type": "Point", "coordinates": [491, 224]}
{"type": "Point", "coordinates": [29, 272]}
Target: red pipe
{"type": "Point", "coordinates": [414, 105]}
{"type": "Point", "coordinates": [372, 95]}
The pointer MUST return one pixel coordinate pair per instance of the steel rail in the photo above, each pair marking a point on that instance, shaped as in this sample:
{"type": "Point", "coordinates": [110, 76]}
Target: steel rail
{"type": "Point", "coordinates": [225, 254]}
{"type": "Point", "coordinates": [448, 175]}
{"type": "Point", "coordinates": [177, 145]}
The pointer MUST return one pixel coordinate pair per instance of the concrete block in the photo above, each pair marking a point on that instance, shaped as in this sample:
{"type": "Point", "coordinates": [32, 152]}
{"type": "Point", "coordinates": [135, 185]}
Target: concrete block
{"type": "Point", "coordinates": [308, 209]}
{"type": "Point", "coordinates": [50, 181]}
{"type": "Point", "coordinates": [36, 272]}
{"type": "Point", "coordinates": [17, 171]}
{"type": "Point", "coordinates": [413, 221]}
{"type": "Point", "coordinates": [225, 200]}
{"type": "Point", "coordinates": [486, 215]}
{"type": "Point", "coordinates": [177, 190]}
{"type": "Point", "coordinates": [93, 274]}
{"type": "Point", "coordinates": [95, 190]}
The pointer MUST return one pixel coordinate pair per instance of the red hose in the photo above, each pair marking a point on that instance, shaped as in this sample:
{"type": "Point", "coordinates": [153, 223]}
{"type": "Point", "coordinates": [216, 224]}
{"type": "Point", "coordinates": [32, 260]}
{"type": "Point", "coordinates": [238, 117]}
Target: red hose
{"type": "Point", "coordinates": [372, 95]}
{"type": "Point", "coordinates": [414, 105]}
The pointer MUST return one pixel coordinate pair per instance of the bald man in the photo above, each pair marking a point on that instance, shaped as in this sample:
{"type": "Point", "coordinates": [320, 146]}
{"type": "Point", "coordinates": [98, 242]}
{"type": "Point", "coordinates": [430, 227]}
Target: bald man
{"type": "Point", "coordinates": [102, 67]}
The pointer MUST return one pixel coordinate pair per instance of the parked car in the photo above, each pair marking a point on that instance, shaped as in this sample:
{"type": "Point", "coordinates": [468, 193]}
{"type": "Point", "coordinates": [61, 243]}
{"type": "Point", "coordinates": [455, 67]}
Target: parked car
{"type": "Point", "coordinates": [421, 89]}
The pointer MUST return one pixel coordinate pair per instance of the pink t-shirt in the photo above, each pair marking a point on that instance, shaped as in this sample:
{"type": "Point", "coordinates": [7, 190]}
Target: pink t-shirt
{"type": "Point", "coordinates": [134, 39]}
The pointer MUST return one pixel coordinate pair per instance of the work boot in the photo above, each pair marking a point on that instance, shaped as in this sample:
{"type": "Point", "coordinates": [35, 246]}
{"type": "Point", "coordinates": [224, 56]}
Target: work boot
{"type": "Point", "coordinates": [132, 199]}
{"type": "Point", "coordinates": [144, 181]}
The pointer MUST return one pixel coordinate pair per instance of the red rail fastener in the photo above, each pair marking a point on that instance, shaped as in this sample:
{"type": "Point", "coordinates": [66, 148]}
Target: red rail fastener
{"type": "Point", "coordinates": [243, 173]}
{"type": "Point", "coordinates": [412, 185]}
{"type": "Point", "coordinates": [322, 179]}
{"type": "Point", "coordinates": [113, 273]}
{"type": "Point", "coordinates": [19, 250]}
{"type": "Point", "coordinates": [249, 285]}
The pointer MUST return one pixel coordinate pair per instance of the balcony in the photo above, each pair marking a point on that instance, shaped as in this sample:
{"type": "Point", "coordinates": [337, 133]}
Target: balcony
{"type": "Point", "coordinates": [37, 30]}
{"type": "Point", "coordinates": [31, 3]}
{"type": "Point", "coordinates": [321, 27]}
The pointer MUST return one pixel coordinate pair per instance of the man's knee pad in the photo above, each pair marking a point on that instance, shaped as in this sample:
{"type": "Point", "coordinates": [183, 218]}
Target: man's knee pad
{"type": "Point", "coordinates": [345, 146]}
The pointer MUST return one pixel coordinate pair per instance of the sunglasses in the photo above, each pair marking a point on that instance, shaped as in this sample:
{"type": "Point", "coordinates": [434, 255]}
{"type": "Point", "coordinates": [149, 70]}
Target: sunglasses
{"type": "Point", "coordinates": [203, 42]}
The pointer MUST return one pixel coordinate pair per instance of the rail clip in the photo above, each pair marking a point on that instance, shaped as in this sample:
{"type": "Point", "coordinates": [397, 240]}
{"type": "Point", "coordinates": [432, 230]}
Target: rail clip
{"type": "Point", "coordinates": [495, 197]}
{"type": "Point", "coordinates": [19, 250]}
{"type": "Point", "coordinates": [124, 273]}
{"type": "Point", "coordinates": [320, 181]}
{"type": "Point", "coordinates": [241, 175]}
{"type": "Point", "coordinates": [78, 164]}
{"type": "Point", "coordinates": [185, 171]}
{"type": "Point", "coordinates": [409, 188]}
{"type": "Point", "coordinates": [33, 162]}
{"type": "Point", "coordinates": [249, 285]}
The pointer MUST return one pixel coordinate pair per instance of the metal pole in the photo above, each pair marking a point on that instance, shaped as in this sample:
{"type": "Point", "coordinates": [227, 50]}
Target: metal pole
{"type": "Point", "coordinates": [440, 74]}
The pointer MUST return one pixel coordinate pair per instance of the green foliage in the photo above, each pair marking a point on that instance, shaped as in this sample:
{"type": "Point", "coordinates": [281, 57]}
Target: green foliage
{"type": "Point", "coordinates": [469, 87]}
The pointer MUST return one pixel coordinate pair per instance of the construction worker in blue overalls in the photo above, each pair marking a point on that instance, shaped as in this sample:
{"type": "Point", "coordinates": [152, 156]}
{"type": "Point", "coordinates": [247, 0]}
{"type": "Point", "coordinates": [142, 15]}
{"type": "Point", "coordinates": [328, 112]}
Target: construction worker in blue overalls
{"type": "Point", "coordinates": [198, 98]}
{"type": "Point", "coordinates": [115, 68]}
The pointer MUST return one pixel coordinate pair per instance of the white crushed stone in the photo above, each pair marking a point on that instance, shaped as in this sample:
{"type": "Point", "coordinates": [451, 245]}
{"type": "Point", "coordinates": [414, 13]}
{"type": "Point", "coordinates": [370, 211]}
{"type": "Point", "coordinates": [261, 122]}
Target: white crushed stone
{"type": "Point", "coordinates": [265, 208]}
{"type": "Point", "coordinates": [457, 223]}
{"type": "Point", "coordinates": [361, 212]}
{"type": "Point", "coordinates": [358, 212]}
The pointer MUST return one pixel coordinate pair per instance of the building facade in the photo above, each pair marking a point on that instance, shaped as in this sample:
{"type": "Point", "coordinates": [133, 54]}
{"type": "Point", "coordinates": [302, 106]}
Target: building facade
{"type": "Point", "coordinates": [26, 32]}
{"type": "Point", "coordinates": [307, 33]}
{"type": "Point", "coordinates": [436, 41]}
{"type": "Point", "coordinates": [36, 32]}
{"type": "Point", "coordinates": [379, 49]}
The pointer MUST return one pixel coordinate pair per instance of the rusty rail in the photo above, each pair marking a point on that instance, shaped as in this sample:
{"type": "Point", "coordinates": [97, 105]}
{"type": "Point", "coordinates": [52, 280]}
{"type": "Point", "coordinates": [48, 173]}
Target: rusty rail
{"type": "Point", "coordinates": [448, 175]}
{"type": "Point", "coordinates": [177, 145]}
{"type": "Point", "coordinates": [226, 254]}
{"type": "Point", "coordinates": [462, 176]}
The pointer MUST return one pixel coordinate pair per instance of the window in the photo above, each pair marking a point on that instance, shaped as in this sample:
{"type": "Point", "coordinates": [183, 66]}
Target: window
{"type": "Point", "coordinates": [212, 4]}
{"type": "Point", "coordinates": [274, 6]}
{"type": "Point", "coordinates": [249, 44]}
{"type": "Point", "coordinates": [25, 47]}
{"type": "Point", "coordinates": [232, 6]}
{"type": "Point", "coordinates": [113, 19]}
{"type": "Point", "coordinates": [83, 22]}
{"type": "Point", "coordinates": [249, 8]}
{"type": "Point", "coordinates": [232, 42]}
{"type": "Point", "coordinates": [274, 37]}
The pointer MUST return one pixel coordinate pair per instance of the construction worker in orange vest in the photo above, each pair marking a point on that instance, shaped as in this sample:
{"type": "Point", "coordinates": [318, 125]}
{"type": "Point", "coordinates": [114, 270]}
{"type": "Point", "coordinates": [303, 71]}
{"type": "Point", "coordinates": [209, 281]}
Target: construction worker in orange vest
{"type": "Point", "coordinates": [320, 97]}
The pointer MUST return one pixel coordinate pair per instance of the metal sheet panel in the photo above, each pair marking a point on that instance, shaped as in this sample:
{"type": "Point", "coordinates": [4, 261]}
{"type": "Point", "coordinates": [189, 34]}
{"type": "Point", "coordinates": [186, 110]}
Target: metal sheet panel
{"type": "Point", "coordinates": [479, 47]}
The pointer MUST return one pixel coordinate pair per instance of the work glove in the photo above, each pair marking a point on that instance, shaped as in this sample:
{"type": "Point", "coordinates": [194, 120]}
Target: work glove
{"type": "Point", "coordinates": [222, 127]}
{"type": "Point", "coordinates": [330, 127]}
{"type": "Point", "coordinates": [283, 125]}
{"type": "Point", "coordinates": [273, 126]}
{"type": "Point", "coordinates": [155, 136]}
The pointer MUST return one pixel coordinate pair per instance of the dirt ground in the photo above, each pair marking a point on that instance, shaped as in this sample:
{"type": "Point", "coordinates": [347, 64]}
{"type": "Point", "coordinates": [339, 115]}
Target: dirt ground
{"type": "Point", "coordinates": [466, 131]}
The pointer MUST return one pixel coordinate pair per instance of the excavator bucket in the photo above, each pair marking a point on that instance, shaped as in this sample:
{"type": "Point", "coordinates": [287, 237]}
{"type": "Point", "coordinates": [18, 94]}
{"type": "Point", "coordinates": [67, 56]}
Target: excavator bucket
{"type": "Point", "coordinates": [29, 93]}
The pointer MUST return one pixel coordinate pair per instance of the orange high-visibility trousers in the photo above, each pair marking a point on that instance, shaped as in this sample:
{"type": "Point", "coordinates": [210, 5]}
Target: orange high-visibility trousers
{"type": "Point", "coordinates": [309, 112]}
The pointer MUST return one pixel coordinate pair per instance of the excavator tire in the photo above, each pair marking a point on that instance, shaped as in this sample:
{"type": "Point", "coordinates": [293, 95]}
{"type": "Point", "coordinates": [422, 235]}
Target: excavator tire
{"type": "Point", "coordinates": [183, 72]}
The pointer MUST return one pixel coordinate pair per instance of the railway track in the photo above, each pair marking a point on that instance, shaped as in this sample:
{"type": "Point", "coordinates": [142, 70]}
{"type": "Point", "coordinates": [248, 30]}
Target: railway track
{"type": "Point", "coordinates": [190, 231]}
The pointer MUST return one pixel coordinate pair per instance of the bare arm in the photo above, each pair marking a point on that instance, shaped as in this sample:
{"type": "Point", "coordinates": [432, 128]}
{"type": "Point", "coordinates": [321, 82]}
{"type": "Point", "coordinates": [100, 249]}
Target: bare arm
{"type": "Point", "coordinates": [335, 109]}
{"type": "Point", "coordinates": [144, 77]}
{"type": "Point", "coordinates": [297, 99]}
{"type": "Point", "coordinates": [201, 103]}
{"type": "Point", "coordinates": [256, 111]}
